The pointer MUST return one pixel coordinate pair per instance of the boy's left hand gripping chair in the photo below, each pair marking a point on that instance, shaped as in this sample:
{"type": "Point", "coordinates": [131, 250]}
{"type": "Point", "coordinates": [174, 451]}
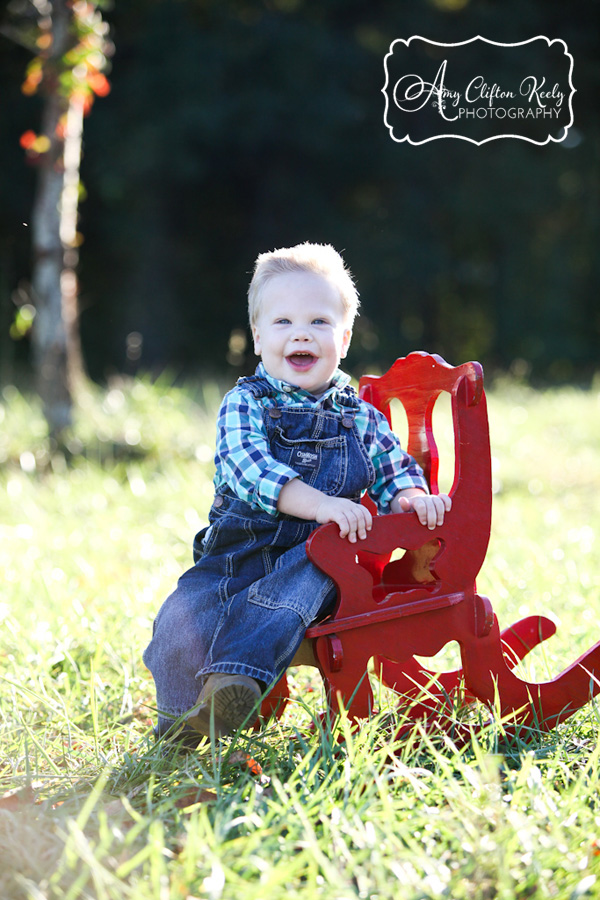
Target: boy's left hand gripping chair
{"type": "Point", "coordinates": [391, 611]}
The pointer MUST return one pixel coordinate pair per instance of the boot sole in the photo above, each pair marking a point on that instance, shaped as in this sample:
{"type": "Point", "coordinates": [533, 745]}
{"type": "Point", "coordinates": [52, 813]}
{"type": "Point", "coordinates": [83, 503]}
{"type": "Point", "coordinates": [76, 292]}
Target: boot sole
{"type": "Point", "coordinates": [231, 706]}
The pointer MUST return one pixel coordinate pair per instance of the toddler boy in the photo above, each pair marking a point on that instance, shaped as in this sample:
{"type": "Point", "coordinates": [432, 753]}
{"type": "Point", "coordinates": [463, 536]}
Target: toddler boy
{"type": "Point", "coordinates": [296, 448]}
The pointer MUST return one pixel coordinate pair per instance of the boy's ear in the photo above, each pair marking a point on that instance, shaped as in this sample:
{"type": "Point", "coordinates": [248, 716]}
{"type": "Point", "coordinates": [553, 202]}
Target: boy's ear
{"type": "Point", "coordinates": [347, 337]}
{"type": "Point", "coordinates": [256, 339]}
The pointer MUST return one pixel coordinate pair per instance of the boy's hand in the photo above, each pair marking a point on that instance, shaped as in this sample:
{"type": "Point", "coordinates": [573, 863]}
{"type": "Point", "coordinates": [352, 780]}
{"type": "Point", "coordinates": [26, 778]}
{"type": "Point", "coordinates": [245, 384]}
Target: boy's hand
{"type": "Point", "coordinates": [299, 499]}
{"type": "Point", "coordinates": [353, 519]}
{"type": "Point", "coordinates": [430, 508]}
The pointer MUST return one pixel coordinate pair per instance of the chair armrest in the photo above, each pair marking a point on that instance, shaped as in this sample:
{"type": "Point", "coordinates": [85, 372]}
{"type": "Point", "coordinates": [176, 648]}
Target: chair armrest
{"type": "Point", "coordinates": [338, 558]}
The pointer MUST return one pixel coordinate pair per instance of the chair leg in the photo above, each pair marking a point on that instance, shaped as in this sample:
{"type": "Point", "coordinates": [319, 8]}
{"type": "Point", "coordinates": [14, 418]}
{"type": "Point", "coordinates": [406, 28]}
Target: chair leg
{"type": "Point", "coordinates": [276, 700]}
{"type": "Point", "coordinates": [411, 679]}
{"type": "Point", "coordinates": [345, 684]}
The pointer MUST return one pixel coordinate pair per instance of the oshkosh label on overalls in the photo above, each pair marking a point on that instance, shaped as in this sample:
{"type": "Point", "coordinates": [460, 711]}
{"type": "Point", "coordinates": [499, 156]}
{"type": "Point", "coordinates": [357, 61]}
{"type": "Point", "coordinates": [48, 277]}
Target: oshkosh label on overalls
{"type": "Point", "coordinates": [304, 458]}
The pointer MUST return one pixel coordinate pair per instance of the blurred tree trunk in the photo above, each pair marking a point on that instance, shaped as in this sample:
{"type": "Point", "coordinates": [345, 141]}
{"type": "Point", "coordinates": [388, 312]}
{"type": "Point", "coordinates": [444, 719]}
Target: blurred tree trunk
{"type": "Point", "coordinates": [57, 356]}
{"type": "Point", "coordinates": [70, 46]}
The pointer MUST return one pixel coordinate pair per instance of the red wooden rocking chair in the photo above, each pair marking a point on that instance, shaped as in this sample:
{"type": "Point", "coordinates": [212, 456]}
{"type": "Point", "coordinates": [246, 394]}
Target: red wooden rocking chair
{"type": "Point", "coordinates": [394, 610]}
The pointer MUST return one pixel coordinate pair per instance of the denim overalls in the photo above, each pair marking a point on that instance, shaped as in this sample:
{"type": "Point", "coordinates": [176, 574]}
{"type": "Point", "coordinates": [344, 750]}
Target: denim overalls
{"type": "Point", "coordinates": [245, 605]}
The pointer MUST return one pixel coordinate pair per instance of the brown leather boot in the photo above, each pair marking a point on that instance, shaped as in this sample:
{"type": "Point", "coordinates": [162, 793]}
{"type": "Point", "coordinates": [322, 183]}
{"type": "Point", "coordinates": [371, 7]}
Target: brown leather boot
{"type": "Point", "coordinates": [230, 699]}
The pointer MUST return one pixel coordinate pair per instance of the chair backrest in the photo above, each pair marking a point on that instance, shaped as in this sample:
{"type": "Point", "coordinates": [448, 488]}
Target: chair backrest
{"type": "Point", "coordinates": [416, 381]}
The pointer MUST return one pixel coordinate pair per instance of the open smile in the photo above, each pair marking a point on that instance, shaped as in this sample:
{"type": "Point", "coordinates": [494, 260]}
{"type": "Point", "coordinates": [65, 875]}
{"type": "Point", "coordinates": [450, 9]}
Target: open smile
{"type": "Point", "coordinates": [301, 362]}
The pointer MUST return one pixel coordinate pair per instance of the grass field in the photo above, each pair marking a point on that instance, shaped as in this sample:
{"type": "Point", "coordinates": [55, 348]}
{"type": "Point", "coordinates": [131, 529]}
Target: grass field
{"type": "Point", "coordinates": [91, 807]}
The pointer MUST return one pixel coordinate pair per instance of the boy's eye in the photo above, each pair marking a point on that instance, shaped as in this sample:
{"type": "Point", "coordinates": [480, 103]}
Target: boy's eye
{"type": "Point", "coordinates": [319, 321]}
{"type": "Point", "coordinates": [282, 321]}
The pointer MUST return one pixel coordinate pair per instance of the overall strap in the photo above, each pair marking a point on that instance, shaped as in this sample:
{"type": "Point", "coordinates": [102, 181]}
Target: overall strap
{"type": "Point", "coordinates": [347, 398]}
{"type": "Point", "coordinates": [258, 387]}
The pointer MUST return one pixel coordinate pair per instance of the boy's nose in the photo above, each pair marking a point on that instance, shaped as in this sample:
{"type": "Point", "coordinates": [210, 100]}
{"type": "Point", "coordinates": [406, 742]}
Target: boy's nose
{"type": "Point", "coordinates": [301, 334]}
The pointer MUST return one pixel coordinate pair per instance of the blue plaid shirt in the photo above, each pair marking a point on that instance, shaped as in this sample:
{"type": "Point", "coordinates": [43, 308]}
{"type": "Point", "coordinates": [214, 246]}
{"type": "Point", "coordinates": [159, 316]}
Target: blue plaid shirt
{"type": "Point", "coordinates": [244, 461]}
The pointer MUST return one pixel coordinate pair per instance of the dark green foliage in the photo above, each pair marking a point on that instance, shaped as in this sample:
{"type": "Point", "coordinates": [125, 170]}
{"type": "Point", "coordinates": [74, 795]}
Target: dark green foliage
{"type": "Point", "coordinates": [234, 127]}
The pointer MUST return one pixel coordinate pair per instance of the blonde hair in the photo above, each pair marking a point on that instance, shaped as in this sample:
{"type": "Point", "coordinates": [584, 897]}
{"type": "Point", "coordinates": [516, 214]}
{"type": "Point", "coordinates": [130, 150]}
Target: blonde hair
{"type": "Point", "coordinates": [322, 259]}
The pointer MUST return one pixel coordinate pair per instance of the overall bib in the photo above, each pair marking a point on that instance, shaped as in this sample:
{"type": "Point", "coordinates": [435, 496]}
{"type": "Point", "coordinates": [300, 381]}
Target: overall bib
{"type": "Point", "coordinates": [245, 605]}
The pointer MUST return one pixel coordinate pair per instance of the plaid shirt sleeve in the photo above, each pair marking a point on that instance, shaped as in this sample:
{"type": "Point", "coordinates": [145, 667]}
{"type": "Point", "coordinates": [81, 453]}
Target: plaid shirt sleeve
{"type": "Point", "coordinates": [243, 455]}
{"type": "Point", "coordinates": [395, 470]}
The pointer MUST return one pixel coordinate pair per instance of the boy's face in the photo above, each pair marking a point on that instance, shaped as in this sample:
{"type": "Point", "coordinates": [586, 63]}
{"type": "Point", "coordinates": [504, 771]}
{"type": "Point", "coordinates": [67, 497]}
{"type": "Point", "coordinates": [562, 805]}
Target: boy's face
{"type": "Point", "coordinates": [302, 330]}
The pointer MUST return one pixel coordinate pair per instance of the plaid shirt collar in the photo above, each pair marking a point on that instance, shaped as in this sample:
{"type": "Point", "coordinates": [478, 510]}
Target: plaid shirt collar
{"type": "Point", "coordinates": [339, 381]}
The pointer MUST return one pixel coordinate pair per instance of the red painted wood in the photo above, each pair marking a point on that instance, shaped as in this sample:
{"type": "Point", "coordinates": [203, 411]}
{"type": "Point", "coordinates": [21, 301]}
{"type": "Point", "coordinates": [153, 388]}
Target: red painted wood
{"type": "Point", "coordinates": [380, 615]}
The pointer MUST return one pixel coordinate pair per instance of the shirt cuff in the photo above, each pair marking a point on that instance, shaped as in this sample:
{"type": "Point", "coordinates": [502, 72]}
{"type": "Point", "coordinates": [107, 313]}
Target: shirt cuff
{"type": "Point", "coordinates": [400, 484]}
{"type": "Point", "coordinates": [268, 486]}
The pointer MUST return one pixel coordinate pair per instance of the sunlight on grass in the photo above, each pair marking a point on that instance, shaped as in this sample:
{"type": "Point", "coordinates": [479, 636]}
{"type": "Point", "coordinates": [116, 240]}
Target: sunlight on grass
{"type": "Point", "coordinates": [91, 544]}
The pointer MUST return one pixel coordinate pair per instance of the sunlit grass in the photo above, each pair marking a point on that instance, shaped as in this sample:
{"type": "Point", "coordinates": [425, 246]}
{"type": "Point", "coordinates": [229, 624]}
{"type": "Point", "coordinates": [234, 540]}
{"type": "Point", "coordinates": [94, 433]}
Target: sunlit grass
{"type": "Point", "coordinates": [89, 547]}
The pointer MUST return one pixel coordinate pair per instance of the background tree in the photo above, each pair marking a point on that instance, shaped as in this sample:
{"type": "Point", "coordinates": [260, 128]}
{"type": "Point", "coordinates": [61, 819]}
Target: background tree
{"type": "Point", "coordinates": [69, 40]}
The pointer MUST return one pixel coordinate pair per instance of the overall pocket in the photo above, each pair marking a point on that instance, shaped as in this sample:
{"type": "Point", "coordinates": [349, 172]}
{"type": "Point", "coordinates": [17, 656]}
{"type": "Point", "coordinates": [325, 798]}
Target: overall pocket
{"type": "Point", "coordinates": [322, 463]}
{"type": "Point", "coordinates": [296, 586]}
